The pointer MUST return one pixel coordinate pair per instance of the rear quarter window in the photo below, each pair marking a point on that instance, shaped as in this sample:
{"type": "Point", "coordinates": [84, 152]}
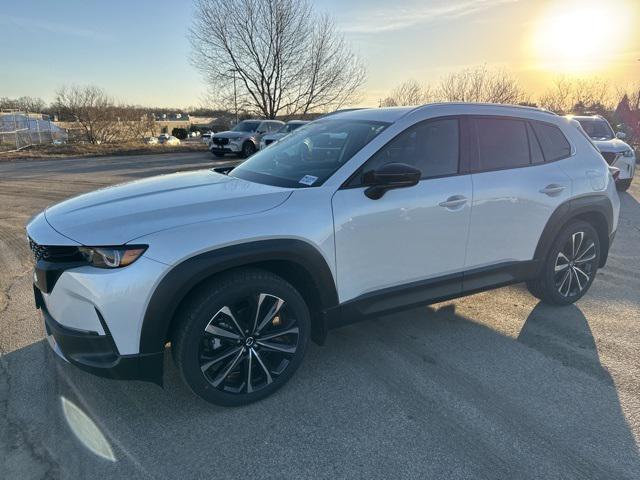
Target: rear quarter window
{"type": "Point", "coordinates": [554, 144]}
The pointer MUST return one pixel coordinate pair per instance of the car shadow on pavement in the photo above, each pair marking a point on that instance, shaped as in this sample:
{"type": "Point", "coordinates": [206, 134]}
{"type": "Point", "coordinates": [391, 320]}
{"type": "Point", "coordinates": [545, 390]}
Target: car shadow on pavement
{"type": "Point", "coordinates": [427, 393]}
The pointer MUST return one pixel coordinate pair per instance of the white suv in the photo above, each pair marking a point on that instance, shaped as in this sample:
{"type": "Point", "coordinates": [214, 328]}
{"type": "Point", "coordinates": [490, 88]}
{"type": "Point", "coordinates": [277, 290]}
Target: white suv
{"type": "Point", "coordinates": [615, 151]}
{"type": "Point", "coordinates": [361, 213]}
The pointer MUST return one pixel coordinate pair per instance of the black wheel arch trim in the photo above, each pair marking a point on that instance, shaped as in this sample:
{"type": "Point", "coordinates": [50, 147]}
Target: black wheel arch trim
{"type": "Point", "coordinates": [182, 278]}
{"type": "Point", "coordinates": [590, 204]}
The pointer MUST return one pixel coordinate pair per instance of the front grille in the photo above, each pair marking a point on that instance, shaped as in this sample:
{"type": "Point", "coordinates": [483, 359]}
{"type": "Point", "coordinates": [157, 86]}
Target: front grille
{"type": "Point", "coordinates": [609, 157]}
{"type": "Point", "coordinates": [220, 141]}
{"type": "Point", "coordinates": [55, 253]}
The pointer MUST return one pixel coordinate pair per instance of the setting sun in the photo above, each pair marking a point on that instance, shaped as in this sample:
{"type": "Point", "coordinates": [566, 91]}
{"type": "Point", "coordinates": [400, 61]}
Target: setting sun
{"type": "Point", "coordinates": [580, 36]}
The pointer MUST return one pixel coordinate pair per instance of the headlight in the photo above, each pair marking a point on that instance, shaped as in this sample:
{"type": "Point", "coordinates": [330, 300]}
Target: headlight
{"type": "Point", "coordinates": [628, 153]}
{"type": "Point", "coordinates": [112, 257]}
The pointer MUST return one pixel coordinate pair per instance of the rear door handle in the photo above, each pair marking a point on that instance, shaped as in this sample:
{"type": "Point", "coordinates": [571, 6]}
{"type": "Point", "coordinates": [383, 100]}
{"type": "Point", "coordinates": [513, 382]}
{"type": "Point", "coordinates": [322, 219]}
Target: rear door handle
{"type": "Point", "coordinates": [553, 189]}
{"type": "Point", "coordinates": [454, 201]}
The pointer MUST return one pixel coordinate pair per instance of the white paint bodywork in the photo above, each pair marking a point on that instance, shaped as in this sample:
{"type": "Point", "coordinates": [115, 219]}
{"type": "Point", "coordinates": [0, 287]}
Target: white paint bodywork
{"type": "Point", "coordinates": [368, 244]}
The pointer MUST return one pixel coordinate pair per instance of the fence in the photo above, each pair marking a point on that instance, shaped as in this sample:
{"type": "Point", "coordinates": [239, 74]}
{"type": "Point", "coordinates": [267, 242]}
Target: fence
{"type": "Point", "coordinates": [19, 130]}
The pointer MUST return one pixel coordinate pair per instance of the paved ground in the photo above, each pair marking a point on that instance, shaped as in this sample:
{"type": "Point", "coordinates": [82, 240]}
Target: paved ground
{"type": "Point", "coordinates": [491, 386]}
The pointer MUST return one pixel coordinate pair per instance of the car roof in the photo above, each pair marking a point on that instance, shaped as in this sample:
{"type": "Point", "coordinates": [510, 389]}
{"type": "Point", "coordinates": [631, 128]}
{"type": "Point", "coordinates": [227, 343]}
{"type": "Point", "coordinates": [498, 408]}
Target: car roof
{"type": "Point", "coordinates": [392, 114]}
{"type": "Point", "coordinates": [298, 121]}
{"type": "Point", "coordinates": [585, 117]}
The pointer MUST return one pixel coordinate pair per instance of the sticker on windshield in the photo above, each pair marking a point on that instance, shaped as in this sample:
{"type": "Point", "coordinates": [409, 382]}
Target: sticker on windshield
{"type": "Point", "coordinates": [308, 180]}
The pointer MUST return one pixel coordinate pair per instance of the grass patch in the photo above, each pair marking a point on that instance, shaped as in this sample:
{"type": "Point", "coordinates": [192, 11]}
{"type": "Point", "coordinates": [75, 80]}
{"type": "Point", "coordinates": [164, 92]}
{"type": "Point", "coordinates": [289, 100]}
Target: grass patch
{"type": "Point", "coordinates": [88, 150]}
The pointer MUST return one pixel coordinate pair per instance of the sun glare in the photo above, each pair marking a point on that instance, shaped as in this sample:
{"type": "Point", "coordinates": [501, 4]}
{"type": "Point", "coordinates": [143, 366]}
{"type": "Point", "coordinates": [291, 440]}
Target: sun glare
{"type": "Point", "coordinates": [582, 36]}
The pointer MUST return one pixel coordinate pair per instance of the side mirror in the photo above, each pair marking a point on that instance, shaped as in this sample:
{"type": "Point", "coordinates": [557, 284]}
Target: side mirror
{"type": "Point", "coordinates": [388, 177]}
{"type": "Point", "coordinates": [621, 135]}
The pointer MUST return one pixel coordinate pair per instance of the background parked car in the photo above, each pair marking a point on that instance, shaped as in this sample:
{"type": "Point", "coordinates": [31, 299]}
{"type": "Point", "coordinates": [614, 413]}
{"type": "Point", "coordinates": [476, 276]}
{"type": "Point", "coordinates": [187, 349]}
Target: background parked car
{"type": "Point", "coordinates": [283, 132]}
{"type": "Point", "coordinates": [170, 140]}
{"type": "Point", "coordinates": [151, 141]}
{"type": "Point", "coordinates": [244, 138]}
{"type": "Point", "coordinates": [206, 137]}
{"type": "Point", "coordinates": [615, 151]}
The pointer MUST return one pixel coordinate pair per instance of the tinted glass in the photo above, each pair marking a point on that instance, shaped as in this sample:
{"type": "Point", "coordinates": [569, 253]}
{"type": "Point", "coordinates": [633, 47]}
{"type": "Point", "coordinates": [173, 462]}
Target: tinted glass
{"type": "Point", "coordinates": [597, 128]}
{"type": "Point", "coordinates": [431, 146]}
{"type": "Point", "coordinates": [553, 142]}
{"type": "Point", "coordinates": [502, 143]}
{"type": "Point", "coordinates": [534, 145]}
{"type": "Point", "coordinates": [310, 155]}
{"type": "Point", "coordinates": [246, 126]}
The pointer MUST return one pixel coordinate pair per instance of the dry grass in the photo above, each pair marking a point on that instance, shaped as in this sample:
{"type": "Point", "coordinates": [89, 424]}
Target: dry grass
{"type": "Point", "coordinates": [88, 150]}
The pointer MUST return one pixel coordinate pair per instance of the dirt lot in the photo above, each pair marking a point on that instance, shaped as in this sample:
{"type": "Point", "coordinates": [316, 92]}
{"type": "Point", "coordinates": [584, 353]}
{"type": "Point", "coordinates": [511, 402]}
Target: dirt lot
{"type": "Point", "coordinates": [495, 385]}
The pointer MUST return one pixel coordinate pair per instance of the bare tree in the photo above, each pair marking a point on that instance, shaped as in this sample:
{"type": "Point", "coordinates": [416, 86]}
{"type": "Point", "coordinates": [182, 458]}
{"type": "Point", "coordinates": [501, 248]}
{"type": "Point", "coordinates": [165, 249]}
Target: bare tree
{"type": "Point", "coordinates": [92, 108]}
{"type": "Point", "coordinates": [480, 84]}
{"type": "Point", "coordinates": [23, 104]}
{"type": "Point", "coordinates": [577, 96]}
{"type": "Point", "coordinates": [559, 97]}
{"type": "Point", "coordinates": [281, 56]}
{"type": "Point", "coordinates": [409, 92]}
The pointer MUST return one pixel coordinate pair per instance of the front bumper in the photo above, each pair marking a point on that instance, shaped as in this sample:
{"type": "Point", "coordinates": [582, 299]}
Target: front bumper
{"type": "Point", "coordinates": [228, 148]}
{"type": "Point", "coordinates": [98, 354]}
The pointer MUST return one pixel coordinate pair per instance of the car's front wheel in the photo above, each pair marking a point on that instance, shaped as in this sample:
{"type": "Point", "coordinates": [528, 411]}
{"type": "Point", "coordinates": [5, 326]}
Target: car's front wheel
{"type": "Point", "coordinates": [241, 337]}
{"type": "Point", "coordinates": [570, 267]}
{"type": "Point", "coordinates": [248, 149]}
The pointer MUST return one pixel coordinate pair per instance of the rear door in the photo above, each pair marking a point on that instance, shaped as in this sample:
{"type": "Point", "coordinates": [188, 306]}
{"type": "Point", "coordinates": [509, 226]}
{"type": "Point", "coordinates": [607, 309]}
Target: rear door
{"type": "Point", "coordinates": [517, 184]}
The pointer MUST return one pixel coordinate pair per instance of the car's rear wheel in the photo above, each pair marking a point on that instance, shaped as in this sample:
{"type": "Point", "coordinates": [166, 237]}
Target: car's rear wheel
{"type": "Point", "coordinates": [623, 185]}
{"type": "Point", "coordinates": [241, 337]}
{"type": "Point", "coordinates": [248, 149]}
{"type": "Point", "coordinates": [570, 267]}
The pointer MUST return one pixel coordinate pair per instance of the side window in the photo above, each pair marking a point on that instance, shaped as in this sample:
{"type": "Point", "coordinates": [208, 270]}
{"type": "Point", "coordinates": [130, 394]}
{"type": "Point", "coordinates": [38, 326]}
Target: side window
{"type": "Point", "coordinates": [502, 143]}
{"type": "Point", "coordinates": [553, 142]}
{"type": "Point", "coordinates": [431, 146]}
{"type": "Point", "coordinates": [263, 127]}
{"type": "Point", "coordinates": [274, 126]}
{"type": "Point", "coordinates": [534, 146]}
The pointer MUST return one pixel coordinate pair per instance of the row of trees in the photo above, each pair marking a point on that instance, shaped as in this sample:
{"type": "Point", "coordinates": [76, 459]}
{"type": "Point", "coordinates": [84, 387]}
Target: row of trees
{"type": "Point", "coordinates": [481, 84]}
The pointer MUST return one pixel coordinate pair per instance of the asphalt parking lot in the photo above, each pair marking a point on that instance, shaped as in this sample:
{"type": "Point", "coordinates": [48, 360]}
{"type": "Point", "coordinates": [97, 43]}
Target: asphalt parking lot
{"type": "Point", "coordinates": [495, 385]}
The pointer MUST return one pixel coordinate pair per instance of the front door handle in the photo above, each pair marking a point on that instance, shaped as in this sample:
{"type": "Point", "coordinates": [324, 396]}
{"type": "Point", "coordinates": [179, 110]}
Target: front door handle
{"type": "Point", "coordinates": [454, 201]}
{"type": "Point", "coordinates": [553, 189]}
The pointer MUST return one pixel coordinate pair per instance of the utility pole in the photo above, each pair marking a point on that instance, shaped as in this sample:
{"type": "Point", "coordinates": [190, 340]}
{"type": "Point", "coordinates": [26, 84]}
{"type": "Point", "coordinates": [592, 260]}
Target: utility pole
{"type": "Point", "coordinates": [235, 93]}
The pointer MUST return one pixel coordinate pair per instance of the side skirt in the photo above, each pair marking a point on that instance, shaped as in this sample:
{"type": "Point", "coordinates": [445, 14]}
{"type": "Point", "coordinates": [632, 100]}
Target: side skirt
{"type": "Point", "coordinates": [426, 292]}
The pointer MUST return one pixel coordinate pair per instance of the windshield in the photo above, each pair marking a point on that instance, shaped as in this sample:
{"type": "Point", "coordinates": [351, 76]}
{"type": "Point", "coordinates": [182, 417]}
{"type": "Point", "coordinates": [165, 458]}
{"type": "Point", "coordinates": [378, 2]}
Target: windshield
{"type": "Point", "coordinates": [246, 126]}
{"type": "Point", "coordinates": [597, 129]}
{"type": "Point", "coordinates": [290, 127]}
{"type": "Point", "coordinates": [309, 155]}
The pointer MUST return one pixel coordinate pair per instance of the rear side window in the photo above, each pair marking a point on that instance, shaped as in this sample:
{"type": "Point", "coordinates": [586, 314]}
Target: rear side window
{"type": "Point", "coordinates": [431, 146]}
{"type": "Point", "coordinates": [552, 141]}
{"type": "Point", "coordinates": [534, 146]}
{"type": "Point", "coordinates": [502, 143]}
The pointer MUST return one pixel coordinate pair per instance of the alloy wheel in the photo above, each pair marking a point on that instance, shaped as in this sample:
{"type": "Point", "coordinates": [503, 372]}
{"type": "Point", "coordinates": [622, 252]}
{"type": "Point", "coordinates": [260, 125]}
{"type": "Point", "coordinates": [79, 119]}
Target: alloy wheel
{"type": "Point", "coordinates": [247, 345]}
{"type": "Point", "coordinates": [575, 264]}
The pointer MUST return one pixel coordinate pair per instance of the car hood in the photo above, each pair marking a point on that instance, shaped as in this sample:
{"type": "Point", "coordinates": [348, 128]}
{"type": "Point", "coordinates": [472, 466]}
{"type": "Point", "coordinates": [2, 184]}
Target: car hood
{"type": "Point", "coordinates": [614, 145]}
{"type": "Point", "coordinates": [231, 134]}
{"type": "Point", "coordinates": [119, 214]}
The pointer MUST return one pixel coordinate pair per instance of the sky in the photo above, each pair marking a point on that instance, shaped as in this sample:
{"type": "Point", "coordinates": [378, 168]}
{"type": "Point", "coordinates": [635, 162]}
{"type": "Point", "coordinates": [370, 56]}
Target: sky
{"type": "Point", "coordinates": [138, 51]}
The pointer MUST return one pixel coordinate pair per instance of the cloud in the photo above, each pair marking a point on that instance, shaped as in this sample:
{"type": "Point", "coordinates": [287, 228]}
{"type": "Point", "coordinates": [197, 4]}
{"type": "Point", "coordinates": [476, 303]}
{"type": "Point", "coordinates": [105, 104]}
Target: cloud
{"type": "Point", "coordinates": [33, 25]}
{"type": "Point", "coordinates": [397, 18]}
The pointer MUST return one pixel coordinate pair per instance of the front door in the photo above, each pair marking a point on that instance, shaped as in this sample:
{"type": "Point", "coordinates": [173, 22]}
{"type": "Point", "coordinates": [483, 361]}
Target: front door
{"type": "Point", "coordinates": [412, 235]}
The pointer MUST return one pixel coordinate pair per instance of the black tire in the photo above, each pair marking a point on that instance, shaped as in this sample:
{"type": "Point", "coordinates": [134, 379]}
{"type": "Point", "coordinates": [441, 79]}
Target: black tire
{"type": "Point", "coordinates": [248, 149]}
{"type": "Point", "coordinates": [570, 267]}
{"type": "Point", "coordinates": [623, 185]}
{"type": "Point", "coordinates": [218, 155]}
{"type": "Point", "coordinates": [267, 347]}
